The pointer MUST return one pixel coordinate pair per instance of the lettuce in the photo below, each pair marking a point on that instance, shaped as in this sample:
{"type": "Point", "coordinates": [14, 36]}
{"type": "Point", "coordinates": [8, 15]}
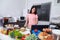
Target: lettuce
{"type": "Point", "coordinates": [15, 33]}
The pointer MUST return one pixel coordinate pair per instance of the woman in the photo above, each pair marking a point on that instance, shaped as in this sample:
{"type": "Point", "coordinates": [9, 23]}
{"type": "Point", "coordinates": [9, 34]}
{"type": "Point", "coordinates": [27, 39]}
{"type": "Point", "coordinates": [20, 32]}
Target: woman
{"type": "Point", "coordinates": [32, 18]}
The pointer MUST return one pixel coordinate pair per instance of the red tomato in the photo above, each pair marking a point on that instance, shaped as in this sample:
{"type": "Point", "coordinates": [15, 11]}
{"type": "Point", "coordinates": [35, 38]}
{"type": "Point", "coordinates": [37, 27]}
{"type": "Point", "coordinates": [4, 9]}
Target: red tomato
{"type": "Point", "coordinates": [23, 38]}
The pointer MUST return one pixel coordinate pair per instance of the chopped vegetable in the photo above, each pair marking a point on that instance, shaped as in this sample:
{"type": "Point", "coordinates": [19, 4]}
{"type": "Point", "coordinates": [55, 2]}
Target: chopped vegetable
{"type": "Point", "coordinates": [15, 34]}
{"type": "Point", "coordinates": [31, 37]}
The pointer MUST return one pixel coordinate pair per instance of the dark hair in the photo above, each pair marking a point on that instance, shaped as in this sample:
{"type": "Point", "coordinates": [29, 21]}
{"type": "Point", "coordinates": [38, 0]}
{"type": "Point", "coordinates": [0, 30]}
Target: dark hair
{"type": "Point", "coordinates": [35, 10]}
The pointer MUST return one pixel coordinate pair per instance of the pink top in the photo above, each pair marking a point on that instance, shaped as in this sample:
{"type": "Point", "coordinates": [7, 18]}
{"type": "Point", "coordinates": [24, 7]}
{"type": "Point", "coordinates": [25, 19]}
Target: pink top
{"type": "Point", "coordinates": [32, 20]}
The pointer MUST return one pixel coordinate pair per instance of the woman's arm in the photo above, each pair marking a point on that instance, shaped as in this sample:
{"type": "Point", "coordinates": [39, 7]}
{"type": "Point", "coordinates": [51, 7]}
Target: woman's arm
{"type": "Point", "coordinates": [26, 23]}
{"type": "Point", "coordinates": [36, 19]}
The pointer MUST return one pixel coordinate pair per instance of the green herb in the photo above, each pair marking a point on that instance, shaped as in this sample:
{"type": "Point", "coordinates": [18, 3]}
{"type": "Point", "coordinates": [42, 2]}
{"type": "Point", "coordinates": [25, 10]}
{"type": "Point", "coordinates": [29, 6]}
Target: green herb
{"type": "Point", "coordinates": [31, 37]}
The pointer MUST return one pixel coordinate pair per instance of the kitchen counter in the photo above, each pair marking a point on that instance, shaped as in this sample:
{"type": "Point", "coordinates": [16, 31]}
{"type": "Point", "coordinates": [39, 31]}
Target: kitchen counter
{"type": "Point", "coordinates": [56, 32]}
{"type": "Point", "coordinates": [5, 37]}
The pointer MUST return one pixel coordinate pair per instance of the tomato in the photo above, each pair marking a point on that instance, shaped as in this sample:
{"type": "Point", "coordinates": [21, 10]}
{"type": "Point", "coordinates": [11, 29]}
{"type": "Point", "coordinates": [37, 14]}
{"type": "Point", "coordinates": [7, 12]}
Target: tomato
{"type": "Point", "coordinates": [23, 37]}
